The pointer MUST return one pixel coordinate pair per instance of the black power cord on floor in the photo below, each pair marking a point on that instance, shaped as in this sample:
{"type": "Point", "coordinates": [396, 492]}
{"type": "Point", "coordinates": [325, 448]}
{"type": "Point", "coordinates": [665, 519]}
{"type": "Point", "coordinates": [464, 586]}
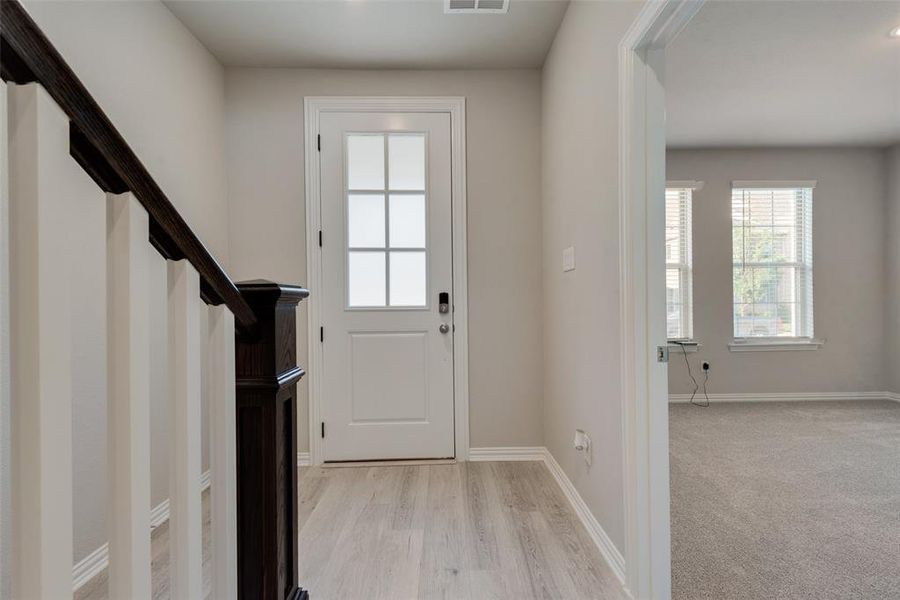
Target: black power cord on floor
{"type": "Point", "coordinates": [705, 381]}
{"type": "Point", "coordinates": [693, 379]}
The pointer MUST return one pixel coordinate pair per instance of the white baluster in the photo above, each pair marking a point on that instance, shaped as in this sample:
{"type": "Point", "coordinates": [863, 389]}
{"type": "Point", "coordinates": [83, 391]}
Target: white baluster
{"type": "Point", "coordinates": [5, 448]}
{"type": "Point", "coordinates": [222, 438]}
{"type": "Point", "coordinates": [128, 408]}
{"type": "Point", "coordinates": [41, 344]}
{"type": "Point", "coordinates": [185, 533]}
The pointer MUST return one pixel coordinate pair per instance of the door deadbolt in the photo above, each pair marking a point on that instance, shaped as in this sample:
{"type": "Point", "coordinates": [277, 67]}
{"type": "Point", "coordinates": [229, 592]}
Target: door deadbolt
{"type": "Point", "coordinates": [443, 303]}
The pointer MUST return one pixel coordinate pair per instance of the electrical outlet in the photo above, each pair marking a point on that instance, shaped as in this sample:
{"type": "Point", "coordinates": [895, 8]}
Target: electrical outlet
{"type": "Point", "coordinates": [569, 259]}
{"type": "Point", "coordinates": [582, 443]}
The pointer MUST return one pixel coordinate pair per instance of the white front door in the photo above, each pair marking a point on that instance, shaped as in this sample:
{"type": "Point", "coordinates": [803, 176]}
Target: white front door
{"type": "Point", "coordinates": [387, 388]}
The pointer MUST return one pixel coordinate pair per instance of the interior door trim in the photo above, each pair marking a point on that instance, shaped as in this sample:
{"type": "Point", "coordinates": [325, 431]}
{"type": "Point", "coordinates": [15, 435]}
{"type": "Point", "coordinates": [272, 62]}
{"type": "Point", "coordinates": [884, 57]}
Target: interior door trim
{"type": "Point", "coordinates": [455, 106]}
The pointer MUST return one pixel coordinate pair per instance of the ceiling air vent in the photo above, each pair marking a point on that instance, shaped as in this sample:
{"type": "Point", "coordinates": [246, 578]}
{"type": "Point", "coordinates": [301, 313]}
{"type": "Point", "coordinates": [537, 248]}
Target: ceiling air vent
{"type": "Point", "coordinates": [476, 6]}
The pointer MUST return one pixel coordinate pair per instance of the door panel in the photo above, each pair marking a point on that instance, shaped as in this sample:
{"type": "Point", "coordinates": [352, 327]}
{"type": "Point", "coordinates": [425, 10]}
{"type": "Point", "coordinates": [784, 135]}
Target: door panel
{"type": "Point", "coordinates": [382, 392]}
{"type": "Point", "coordinates": [386, 256]}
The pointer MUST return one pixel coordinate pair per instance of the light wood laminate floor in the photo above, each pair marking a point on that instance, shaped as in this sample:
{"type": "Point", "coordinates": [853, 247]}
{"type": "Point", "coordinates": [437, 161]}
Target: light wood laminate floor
{"type": "Point", "coordinates": [465, 531]}
{"type": "Point", "coordinates": [476, 531]}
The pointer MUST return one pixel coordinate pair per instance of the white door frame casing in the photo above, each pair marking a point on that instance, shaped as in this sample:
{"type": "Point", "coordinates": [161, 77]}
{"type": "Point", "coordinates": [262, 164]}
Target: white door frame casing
{"type": "Point", "coordinates": [314, 106]}
{"type": "Point", "coordinates": [645, 435]}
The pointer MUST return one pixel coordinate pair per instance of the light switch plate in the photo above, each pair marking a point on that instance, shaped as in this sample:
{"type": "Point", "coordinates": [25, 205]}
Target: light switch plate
{"type": "Point", "coordinates": [569, 259]}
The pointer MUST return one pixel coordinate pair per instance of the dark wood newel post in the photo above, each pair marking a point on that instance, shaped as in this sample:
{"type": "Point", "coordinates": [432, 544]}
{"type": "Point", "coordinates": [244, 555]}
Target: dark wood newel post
{"type": "Point", "coordinates": [267, 376]}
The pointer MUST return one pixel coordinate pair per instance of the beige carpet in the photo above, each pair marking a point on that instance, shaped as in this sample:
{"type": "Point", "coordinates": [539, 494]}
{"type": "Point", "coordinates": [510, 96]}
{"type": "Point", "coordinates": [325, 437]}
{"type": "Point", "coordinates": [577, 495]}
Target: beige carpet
{"type": "Point", "coordinates": [786, 500]}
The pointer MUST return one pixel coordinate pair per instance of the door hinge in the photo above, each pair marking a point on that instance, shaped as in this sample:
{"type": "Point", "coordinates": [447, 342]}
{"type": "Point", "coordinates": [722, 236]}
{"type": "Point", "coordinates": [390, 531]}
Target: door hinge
{"type": "Point", "coordinates": [319, 142]}
{"type": "Point", "coordinates": [320, 238]}
{"type": "Point", "coordinates": [321, 334]}
{"type": "Point", "coordinates": [323, 429]}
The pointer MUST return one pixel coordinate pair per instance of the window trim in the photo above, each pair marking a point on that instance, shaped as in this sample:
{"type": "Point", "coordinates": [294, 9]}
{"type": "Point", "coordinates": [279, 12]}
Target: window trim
{"type": "Point", "coordinates": [775, 344]}
{"type": "Point", "coordinates": [780, 343]}
{"type": "Point", "coordinates": [686, 268]}
{"type": "Point", "coordinates": [685, 184]}
{"type": "Point", "coordinates": [761, 184]}
{"type": "Point", "coordinates": [679, 345]}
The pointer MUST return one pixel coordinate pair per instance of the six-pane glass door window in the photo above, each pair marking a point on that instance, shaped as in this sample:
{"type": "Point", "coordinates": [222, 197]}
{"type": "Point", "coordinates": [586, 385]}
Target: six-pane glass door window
{"type": "Point", "coordinates": [387, 263]}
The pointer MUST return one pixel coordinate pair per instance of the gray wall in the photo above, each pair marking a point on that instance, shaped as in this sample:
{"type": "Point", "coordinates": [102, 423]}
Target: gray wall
{"type": "Point", "coordinates": [892, 164]}
{"type": "Point", "coordinates": [848, 270]}
{"type": "Point", "coordinates": [580, 208]}
{"type": "Point", "coordinates": [267, 203]}
{"type": "Point", "coordinates": [163, 91]}
{"type": "Point", "coordinates": [165, 94]}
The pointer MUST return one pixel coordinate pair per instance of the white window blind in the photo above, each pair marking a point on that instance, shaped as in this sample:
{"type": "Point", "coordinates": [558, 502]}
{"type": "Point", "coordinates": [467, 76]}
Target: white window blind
{"type": "Point", "coordinates": [679, 304]}
{"type": "Point", "coordinates": [772, 243]}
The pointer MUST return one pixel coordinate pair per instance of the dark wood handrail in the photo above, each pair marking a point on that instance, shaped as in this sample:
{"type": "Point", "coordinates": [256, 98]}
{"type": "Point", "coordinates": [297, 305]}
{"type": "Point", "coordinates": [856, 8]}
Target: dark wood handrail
{"type": "Point", "coordinates": [27, 56]}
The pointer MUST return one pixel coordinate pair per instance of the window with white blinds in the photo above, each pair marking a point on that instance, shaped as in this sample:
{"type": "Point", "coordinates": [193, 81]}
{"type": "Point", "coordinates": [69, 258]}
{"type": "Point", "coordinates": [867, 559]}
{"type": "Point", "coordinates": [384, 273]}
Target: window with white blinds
{"type": "Point", "coordinates": [772, 242]}
{"type": "Point", "coordinates": [679, 305]}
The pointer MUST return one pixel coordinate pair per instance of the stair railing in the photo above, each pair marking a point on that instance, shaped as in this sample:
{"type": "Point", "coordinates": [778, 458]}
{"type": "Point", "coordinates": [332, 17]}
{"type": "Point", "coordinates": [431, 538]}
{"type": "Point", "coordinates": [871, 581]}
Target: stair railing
{"type": "Point", "coordinates": [233, 342]}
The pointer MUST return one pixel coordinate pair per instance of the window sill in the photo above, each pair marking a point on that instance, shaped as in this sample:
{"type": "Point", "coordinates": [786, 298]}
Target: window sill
{"type": "Point", "coordinates": [687, 346]}
{"type": "Point", "coordinates": [775, 345]}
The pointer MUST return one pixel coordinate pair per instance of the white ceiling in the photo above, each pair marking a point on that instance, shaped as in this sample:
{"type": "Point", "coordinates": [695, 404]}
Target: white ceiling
{"type": "Point", "coordinates": [786, 73]}
{"type": "Point", "coordinates": [400, 34]}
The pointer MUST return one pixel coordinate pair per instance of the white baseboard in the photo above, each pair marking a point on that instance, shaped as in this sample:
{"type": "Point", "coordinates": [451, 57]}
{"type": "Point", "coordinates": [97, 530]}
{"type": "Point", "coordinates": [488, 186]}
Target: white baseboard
{"type": "Point", "coordinates": [509, 453]}
{"type": "Point", "coordinates": [303, 459]}
{"type": "Point", "coordinates": [90, 566]}
{"type": "Point", "coordinates": [613, 557]}
{"type": "Point", "coordinates": [784, 397]}
{"type": "Point", "coordinates": [892, 396]}
{"type": "Point", "coordinates": [159, 514]}
{"type": "Point", "coordinates": [610, 553]}
{"type": "Point", "coordinates": [96, 562]}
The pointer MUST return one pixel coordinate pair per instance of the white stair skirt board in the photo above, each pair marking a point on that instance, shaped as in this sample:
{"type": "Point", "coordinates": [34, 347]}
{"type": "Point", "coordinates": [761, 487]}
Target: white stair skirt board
{"type": "Point", "coordinates": [303, 459]}
{"type": "Point", "coordinates": [784, 397]}
{"type": "Point", "coordinates": [507, 453]}
{"type": "Point", "coordinates": [610, 553]}
{"type": "Point", "coordinates": [95, 562]}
